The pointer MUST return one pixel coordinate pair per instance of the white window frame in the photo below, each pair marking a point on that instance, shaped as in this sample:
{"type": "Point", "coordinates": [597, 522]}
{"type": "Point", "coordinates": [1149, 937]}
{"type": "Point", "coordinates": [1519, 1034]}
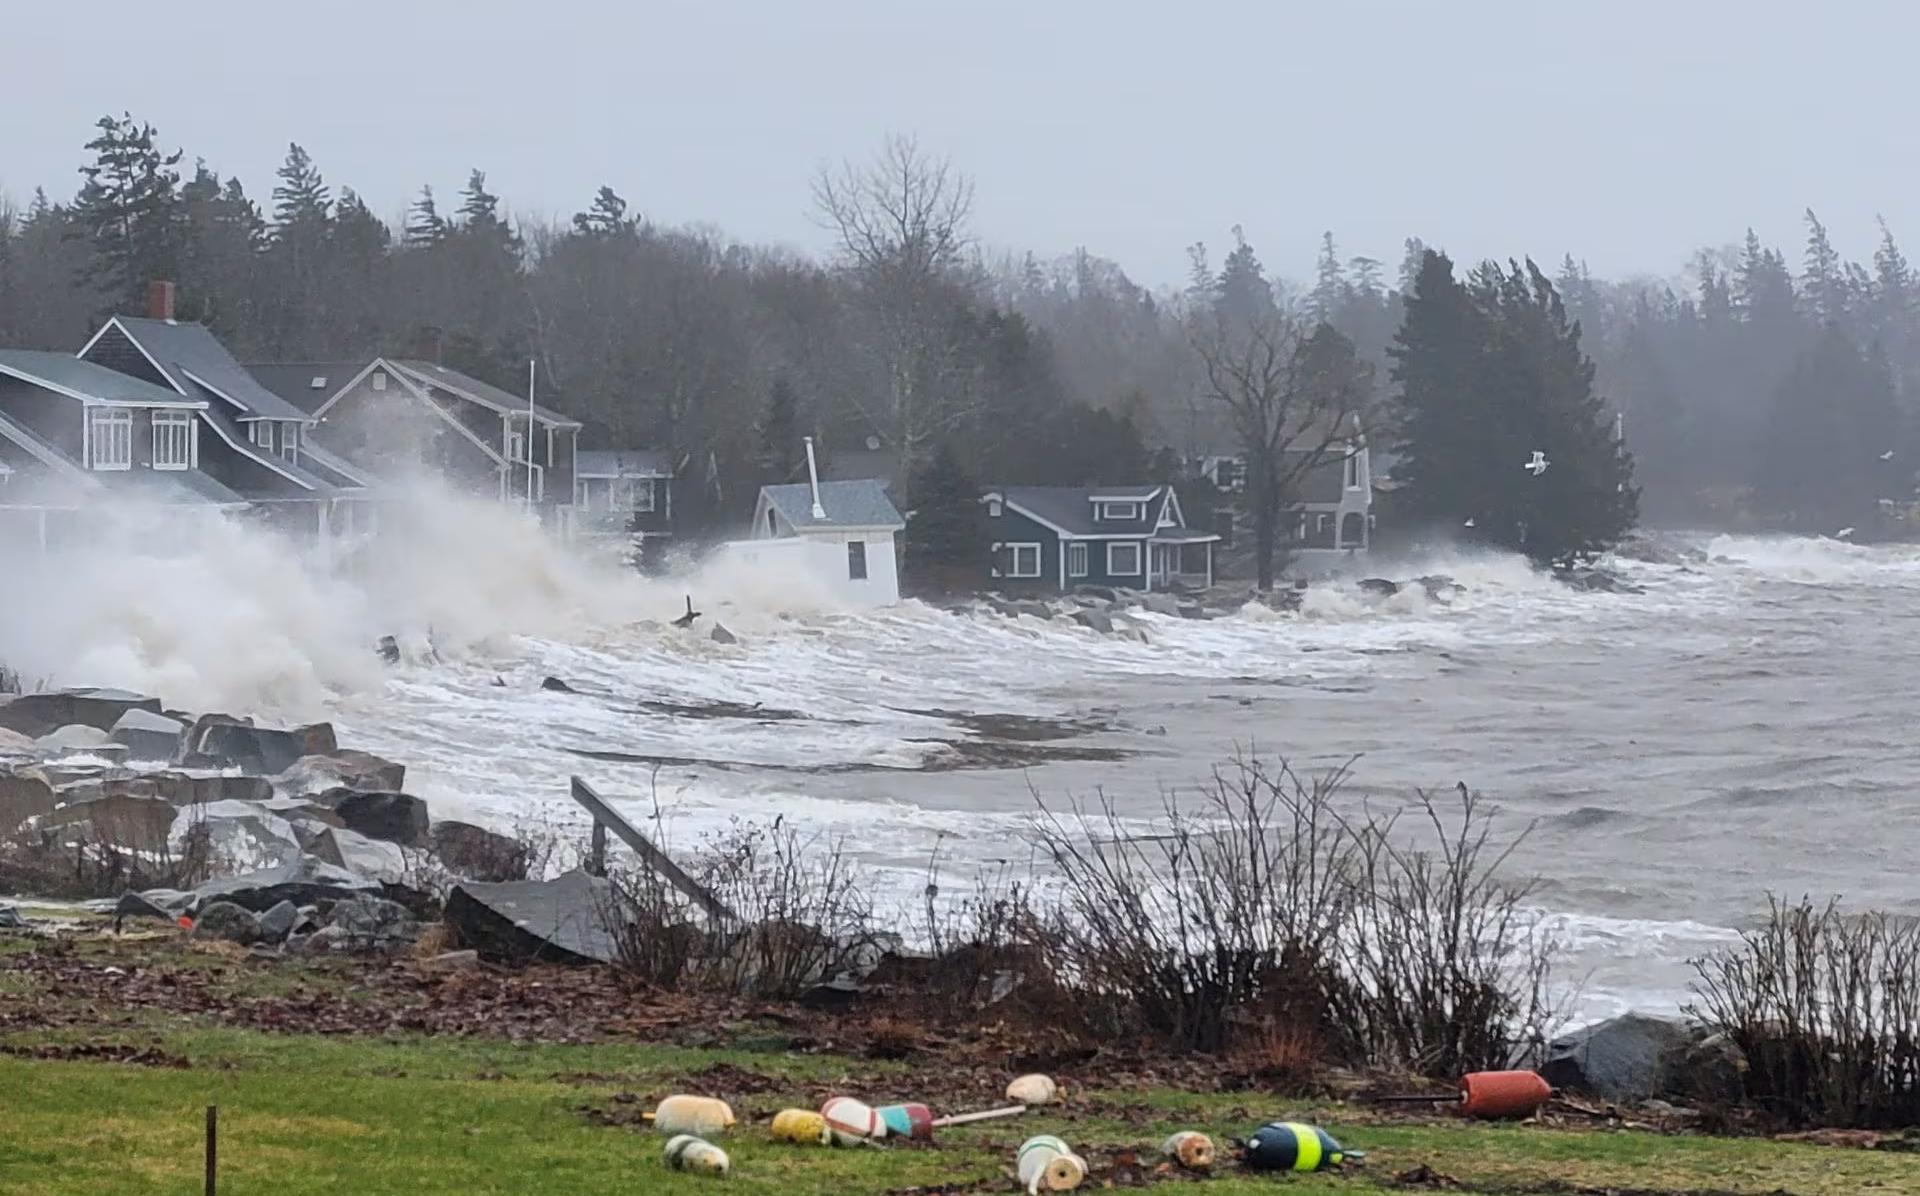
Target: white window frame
{"type": "Point", "coordinates": [516, 447]}
{"type": "Point", "coordinates": [110, 433]}
{"type": "Point", "coordinates": [261, 435]}
{"type": "Point", "coordinates": [173, 440]}
{"type": "Point", "coordinates": [1013, 559]}
{"type": "Point", "coordinates": [290, 442]}
{"type": "Point", "coordinates": [1108, 511]}
{"type": "Point", "coordinates": [1139, 563]}
{"type": "Point", "coordinates": [1077, 558]}
{"type": "Point", "coordinates": [1353, 472]}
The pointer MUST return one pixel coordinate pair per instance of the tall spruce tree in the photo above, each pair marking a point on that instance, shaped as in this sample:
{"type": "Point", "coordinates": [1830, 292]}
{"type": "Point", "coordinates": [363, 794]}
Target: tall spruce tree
{"type": "Point", "coordinates": [1489, 374]}
{"type": "Point", "coordinates": [1819, 468]}
{"type": "Point", "coordinates": [943, 527]}
{"type": "Point", "coordinates": [129, 209]}
{"type": "Point", "coordinates": [1825, 281]}
{"type": "Point", "coordinates": [426, 227]}
{"type": "Point", "coordinates": [1330, 284]}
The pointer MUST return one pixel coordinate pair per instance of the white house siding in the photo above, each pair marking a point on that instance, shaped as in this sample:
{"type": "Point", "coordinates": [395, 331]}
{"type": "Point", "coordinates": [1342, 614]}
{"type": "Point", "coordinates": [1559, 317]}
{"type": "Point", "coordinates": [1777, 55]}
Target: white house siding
{"type": "Point", "coordinates": [818, 561]}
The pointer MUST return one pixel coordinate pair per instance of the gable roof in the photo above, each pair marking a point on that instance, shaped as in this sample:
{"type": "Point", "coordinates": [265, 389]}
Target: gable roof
{"type": "Point", "coordinates": [862, 503]}
{"type": "Point", "coordinates": [484, 393]}
{"type": "Point", "coordinates": [91, 383]}
{"type": "Point", "coordinates": [620, 463]}
{"type": "Point", "coordinates": [1068, 510]}
{"type": "Point", "coordinates": [294, 380]}
{"type": "Point", "coordinates": [199, 366]}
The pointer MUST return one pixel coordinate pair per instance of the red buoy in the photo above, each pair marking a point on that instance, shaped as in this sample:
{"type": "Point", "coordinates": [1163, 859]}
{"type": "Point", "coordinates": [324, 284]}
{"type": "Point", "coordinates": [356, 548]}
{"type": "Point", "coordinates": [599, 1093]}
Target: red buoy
{"type": "Point", "coordinates": [1501, 1094]}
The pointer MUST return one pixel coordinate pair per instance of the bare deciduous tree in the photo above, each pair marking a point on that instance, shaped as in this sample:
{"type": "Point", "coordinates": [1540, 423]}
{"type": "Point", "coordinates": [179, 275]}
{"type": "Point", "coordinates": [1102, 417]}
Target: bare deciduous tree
{"type": "Point", "coordinates": [1298, 399]}
{"type": "Point", "coordinates": [901, 223]}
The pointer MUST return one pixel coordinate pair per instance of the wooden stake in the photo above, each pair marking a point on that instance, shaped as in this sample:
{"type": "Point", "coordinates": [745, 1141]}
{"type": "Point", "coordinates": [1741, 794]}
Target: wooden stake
{"type": "Point", "coordinates": [213, 1148]}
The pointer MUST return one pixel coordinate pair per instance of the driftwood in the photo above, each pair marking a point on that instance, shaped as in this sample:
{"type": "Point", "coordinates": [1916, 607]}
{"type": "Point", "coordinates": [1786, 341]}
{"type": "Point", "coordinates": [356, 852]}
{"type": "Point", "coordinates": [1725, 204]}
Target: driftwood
{"type": "Point", "coordinates": [605, 819]}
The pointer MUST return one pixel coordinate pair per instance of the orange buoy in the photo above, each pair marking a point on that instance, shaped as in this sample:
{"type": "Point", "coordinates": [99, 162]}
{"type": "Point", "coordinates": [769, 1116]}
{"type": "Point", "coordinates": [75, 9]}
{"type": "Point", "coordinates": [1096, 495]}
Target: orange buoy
{"type": "Point", "coordinates": [1498, 1094]}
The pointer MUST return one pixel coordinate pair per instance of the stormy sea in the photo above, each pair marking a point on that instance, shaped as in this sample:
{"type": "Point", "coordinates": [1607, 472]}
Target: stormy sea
{"type": "Point", "coordinates": [1738, 727]}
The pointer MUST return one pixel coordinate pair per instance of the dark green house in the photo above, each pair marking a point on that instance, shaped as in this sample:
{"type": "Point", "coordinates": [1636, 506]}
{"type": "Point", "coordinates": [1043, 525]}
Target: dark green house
{"type": "Point", "coordinates": [1053, 538]}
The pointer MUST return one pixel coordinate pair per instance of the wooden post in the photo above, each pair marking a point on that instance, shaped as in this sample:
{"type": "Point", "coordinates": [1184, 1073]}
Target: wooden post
{"type": "Point", "coordinates": [653, 857]}
{"type": "Point", "coordinates": [213, 1148]}
{"type": "Point", "coordinates": [597, 857]}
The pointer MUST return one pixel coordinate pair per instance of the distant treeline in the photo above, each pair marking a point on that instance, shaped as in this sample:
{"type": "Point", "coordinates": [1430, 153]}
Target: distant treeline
{"type": "Point", "coordinates": [1754, 395]}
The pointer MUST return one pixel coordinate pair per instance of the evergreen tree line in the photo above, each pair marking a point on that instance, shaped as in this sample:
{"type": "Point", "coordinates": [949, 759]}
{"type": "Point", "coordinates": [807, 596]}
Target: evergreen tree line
{"type": "Point", "coordinates": [1750, 394]}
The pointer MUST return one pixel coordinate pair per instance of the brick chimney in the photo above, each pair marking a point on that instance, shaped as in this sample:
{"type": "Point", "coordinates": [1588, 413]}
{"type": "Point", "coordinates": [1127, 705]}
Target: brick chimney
{"type": "Point", "coordinates": [159, 300]}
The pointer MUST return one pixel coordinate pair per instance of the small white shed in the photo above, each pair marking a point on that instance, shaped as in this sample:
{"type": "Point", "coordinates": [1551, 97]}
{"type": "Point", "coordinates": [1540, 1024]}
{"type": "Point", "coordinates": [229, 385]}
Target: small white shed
{"type": "Point", "coordinates": [852, 522]}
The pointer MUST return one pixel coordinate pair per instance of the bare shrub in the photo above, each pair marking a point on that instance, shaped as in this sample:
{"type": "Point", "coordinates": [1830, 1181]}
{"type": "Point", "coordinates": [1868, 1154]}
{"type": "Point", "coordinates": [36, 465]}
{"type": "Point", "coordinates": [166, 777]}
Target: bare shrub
{"type": "Point", "coordinates": [78, 861]}
{"type": "Point", "coordinates": [1224, 918]}
{"type": "Point", "coordinates": [980, 945]}
{"type": "Point", "coordinates": [1444, 973]}
{"type": "Point", "coordinates": [1826, 1008]}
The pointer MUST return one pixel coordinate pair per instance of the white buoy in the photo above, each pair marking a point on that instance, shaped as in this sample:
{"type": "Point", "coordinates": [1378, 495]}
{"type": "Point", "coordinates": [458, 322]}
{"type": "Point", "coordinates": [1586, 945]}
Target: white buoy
{"type": "Point", "coordinates": [852, 1122]}
{"type": "Point", "coordinates": [1033, 1090]}
{"type": "Point", "coordinates": [701, 1116]}
{"type": "Point", "coordinates": [685, 1152]}
{"type": "Point", "coordinates": [1047, 1164]}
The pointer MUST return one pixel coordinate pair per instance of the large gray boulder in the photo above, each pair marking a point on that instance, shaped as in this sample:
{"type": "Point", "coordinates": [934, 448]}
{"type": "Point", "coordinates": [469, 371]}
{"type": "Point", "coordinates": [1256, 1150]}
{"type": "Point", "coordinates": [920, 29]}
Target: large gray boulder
{"type": "Point", "coordinates": [306, 881]}
{"type": "Point", "coordinates": [569, 919]}
{"type": "Point", "coordinates": [148, 736]}
{"type": "Point", "coordinates": [1622, 1059]}
{"type": "Point", "coordinates": [13, 743]}
{"type": "Point", "coordinates": [123, 820]}
{"type": "Point", "coordinates": [224, 742]}
{"type": "Point", "coordinates": [475, 853]}
{"type": "Point", "coordinates": [277, 923]}
{"type": "Point", "coordinates": [238, 834]}
{"type": "Point", "coordinates": [1097, 620]}
{"type": "Point", "coordinates": [78, 739]}
{"type": "Point", "coordinates": [373, 924]}
{"type": "Point", "coordinates": [1161, 603]}
{"type": "Point", "coordinates": [36, 714]}
{"type": "Point", "coordinates": [310, 776]}
{"type": "Point", "coordinates": [228, 922]}
{"type": "Point", "coordinates": [23, 795]}
{"type": "Point", "coordinates": [394, 817]}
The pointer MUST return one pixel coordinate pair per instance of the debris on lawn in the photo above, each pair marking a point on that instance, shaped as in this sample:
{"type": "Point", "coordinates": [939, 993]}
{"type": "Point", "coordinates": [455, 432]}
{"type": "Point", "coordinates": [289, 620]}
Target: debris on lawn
{"type": "Point", "coordinates": [1047, 1164]}
{"type": "Point", "coordinates": [802, 1127]}
{"type": "Point", "coordinates": [701, 1116]}
{"type": "Point", "coordinates": [1191, 1149]}
{"type": "Point", "coordinates": [686, 1152]}
{"type": "Point", "coordinates": [1294, 1146]}
{"type": "Point", "coordinates": [1033, 1090]}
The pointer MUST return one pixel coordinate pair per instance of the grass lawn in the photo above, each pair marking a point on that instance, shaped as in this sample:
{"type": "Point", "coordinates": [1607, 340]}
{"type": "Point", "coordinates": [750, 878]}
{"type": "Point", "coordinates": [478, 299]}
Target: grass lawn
{"type": "Point", "coordinates": [311, 1115]}
{"type": "Point", "coordinates": [403, 1112]}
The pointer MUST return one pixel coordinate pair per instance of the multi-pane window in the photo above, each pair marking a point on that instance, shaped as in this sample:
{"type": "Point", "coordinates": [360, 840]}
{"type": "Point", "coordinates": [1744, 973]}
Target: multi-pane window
{"type": "Point", "coordinates": [172, 440]}
{"type": "Point", "coordinates": [110, 430]}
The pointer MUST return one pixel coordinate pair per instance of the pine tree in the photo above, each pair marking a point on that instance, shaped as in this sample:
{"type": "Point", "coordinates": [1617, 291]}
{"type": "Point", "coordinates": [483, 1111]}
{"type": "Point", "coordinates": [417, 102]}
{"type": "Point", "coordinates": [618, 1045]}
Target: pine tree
{"type": "Point", "coordinates": [1411, 263]}
{"type": "Point", "coordinates": [1819, 467]}
{"type": "Point", "coordinates": [781, 455]}
{"type": "Point", "coordinates": [1330, 284]}
{"type": "Point", "coordinates": [129, 208]}
{"type": "Point", "coordinates": [943, 528]}
{"type": "Point", "coordinates": [1490, 374]}
{"type": "Point", "coordinates": [607, 217]}
{"type": "Point", "coordinates": [1825, 281]}
{"type": "Point", "coordinates": [1242, 292]}
{"type": "Point", "coordinates": [222, 237]}
{"type": "Point", "coordinates": [302, 202]}
{"type": "Point", "coordinates": [480, 220]}
{"type": "Point", "coordinates": [425, 226]}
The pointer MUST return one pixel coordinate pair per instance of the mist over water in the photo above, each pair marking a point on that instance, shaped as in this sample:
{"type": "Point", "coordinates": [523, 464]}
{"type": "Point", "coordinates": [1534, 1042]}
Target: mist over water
{"type": "Point", "coordinates": [1741, 727]}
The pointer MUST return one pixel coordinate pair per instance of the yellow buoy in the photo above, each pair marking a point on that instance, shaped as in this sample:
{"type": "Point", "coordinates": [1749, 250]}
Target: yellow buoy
{"type": "Point", "coordinates": [702, 1116]}
{"type": "Point", "coordinates": [803, 1126]}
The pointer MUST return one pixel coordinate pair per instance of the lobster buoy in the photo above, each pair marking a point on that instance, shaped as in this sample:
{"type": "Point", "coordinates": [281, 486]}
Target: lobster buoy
{"type": "Point", "coordinates": [685, 1152]}
{"type": "Point", "coordinates": [1033, 1090]}
{"type": "Point", "coordinates": [701, 1116]}
{"type": "Point", "coordinates": [852, 1122]}
{"type": "Point", "coordinates": [1292, 1146]}
{"type": "Point", "coordinates": [802, 1126]}
{"type": "Point", "coordinates": [909, 1120]}
{"type": "Point", "coordinates": [1047, 1164]}
{"type": "Point", "coordinates": [1502, 1094]}
{"type": "Point", "coordinates": [1191, 1149]}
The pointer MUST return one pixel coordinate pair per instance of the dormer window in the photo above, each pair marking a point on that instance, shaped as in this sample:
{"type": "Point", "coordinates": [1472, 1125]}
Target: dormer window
{"type": "Point", "coordinates": [516, 447]}
{"type": "Point", "coordinates": [379, 380]}
{"type": "Point", "coordinates": [993, 508]}
{"type": "Point", "coordinates": [110, 431]}
{"type": "Point", "coordinates": [263, 433]}
{"type": "Point", "coordinates": [1119, 512]}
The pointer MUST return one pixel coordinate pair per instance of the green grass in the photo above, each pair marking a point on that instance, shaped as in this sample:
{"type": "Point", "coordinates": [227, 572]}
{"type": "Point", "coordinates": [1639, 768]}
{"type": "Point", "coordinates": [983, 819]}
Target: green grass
{"type": "Point", "coordinates": [421, 1117]}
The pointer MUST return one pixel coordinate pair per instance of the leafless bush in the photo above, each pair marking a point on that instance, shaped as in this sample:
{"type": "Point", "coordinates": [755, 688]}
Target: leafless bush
{"type": "Point", "coordinates": [980, 945]}
{"type": "Point", "coordinates": [1444, 974]}
{"type": "Point", "coordinates": [1226, 917]}
{"type": "Point", "coordinates": [802, 916]}
{"type": "Point", "coordinates": [78, 861]}
{"type": "Point", "coordinates": [1826, 1008]}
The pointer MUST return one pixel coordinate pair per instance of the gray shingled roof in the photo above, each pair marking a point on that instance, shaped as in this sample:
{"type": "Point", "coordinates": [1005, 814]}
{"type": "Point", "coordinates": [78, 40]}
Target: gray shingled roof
{"type": "Point", "coordinates": [183, 487]}
{"type": "Point", "coordinates": [180, 349]}
{"type": "Point", "coordinates": [1071, 507]}
{"type": "Point", "coordinates": [293, 381]}
{"type": "Point", "coordinates": [483, 393]}
{"type": "Point", "coordinates": [229, 429]}
{"type": "Point", "coordinates": [620, 463]}
{"type": "Point", "coordinates": [66, 372]}
{"type": "Point", "coordinates": [861, 503]}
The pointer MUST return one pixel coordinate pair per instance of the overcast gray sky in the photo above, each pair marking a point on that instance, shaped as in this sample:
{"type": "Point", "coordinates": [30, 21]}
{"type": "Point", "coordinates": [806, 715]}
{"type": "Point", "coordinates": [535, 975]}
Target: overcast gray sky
{"type": "Point", "coordinates": [1628, 132]}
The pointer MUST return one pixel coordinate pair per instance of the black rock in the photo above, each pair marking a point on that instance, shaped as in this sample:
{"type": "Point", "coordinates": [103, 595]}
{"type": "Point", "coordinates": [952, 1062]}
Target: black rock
{"type": "Point", "coordinates": [555, 685]}
{"type": "Point", "coordinates": [564, 920]}
{"type": "Point", "coordinates": [277, 923]}
{"type": "Point", "coordinates": [1621, 1059]}
{"type": "Point", "coordinates": [373, 923]}
{"type": "Point", "coordinates": [36, 714]}
{"type": "Point", "coordinates": [1379, 587]}
{"type": "Point", "coordinates": [832, 996]}
{"type": "Point", "coordinates": [260, 751]}
{"type": "Point", "coordinates": [10, 919]}
{"type": "Point", "coordinates": [228, 922]}
{"type": "Point", "coordinates": [1097, 620]}
{"type": "Point", "coordinates": [475, 853]}
{"type": "Point", "coordinates": [305, 882]}
{"type": "Point", "coordinates": [393, 817]}
{"type": "Point", "coordinates": [389, 649]}
{"type": "Point", "coordinates": [720, 635]}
